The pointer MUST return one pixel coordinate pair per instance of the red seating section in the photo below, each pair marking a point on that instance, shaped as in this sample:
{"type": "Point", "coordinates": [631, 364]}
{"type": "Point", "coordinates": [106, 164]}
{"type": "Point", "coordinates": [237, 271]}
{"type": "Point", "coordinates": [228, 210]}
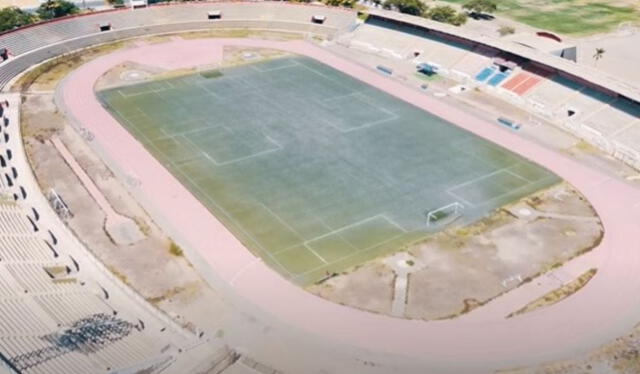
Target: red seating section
{"type": "Point", "coordinates": [522, 83]}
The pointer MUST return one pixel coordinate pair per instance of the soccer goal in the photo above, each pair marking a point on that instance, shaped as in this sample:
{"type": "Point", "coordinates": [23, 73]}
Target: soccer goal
{"type": "Point", "coordinates": [444, 215]}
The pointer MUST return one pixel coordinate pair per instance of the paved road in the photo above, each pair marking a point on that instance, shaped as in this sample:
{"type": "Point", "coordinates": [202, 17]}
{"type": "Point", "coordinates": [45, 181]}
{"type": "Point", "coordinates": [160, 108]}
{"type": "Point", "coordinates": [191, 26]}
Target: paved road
{"type": "Point", "coordinates": [606, 308]}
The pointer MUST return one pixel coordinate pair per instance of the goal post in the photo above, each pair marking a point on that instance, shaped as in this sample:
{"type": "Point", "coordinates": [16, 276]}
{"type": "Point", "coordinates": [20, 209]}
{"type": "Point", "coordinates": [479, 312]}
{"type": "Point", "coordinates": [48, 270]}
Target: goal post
{"type": "Point", "coordinates": [444, 215]}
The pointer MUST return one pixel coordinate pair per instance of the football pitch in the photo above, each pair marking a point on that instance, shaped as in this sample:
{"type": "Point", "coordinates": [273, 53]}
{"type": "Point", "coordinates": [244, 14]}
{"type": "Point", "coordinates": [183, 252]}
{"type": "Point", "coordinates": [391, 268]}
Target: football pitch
{"type": "Point", "coordinates": [313, 170]}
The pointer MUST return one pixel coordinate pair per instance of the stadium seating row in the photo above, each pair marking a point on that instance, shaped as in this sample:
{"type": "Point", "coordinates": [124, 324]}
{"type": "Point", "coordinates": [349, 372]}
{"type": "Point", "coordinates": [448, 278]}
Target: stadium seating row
{"type": "Point", "coordinates": [611, 123]}
{"type": "Point", "coordinates": [62, 312]}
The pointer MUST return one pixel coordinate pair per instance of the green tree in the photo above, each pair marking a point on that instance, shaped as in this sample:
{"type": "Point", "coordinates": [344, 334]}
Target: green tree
{"type": "Point", "coordinates": [481, 6]}
{"type": "Point", "coordinates": [446, 14]}
{"type": "Point", "coordinates": [56, 8]}
{"type": "Point", "coordinates": [344, 3]}
{"type": "Point", "coordinates": [414, 7]}
{"type": "Point", "coordinates": [12, 17]}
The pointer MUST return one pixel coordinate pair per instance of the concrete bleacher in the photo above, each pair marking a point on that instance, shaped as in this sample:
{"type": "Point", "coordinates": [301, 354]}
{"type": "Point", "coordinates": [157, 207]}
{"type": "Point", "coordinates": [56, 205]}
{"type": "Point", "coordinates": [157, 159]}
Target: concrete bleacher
{"type": "Point", "coordinates": [472, 63]}
{"type": "Point", "coordinates": [552, 93]}
{"type": "Point", "coordinates": [383, 40]}
{"type": "Point", "coordinates": [614, 118]}
{"type": "Point", "coordinates": [589, 101]}
{"type": "Point", "coordinates": [32, 45]}
{"type": "Point", "coordinates": [44, 293]}
{"type": "Point", "coordinates": [587, 112]}
{"type": "Point", "coordinates": [33, 38]}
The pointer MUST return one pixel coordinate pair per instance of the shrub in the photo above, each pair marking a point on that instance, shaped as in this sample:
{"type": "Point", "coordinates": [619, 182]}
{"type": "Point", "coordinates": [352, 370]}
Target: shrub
{"type": "Point", "coordinates": [506, 30]}
{"type": "Point", "coordinates": [175, 249]}
{"type": "Point", "coordinates": [343, 3]}
{"type": "Point", "coordinates": [481, 6]}
{"type": "Point", "coordinates": [446, 14]}
{"type": "Point", "coordinates": [56, 8]}
{"type": "Point", "coordinates": [414, 7]}
{"type": "Point", "coordinates": [12, 17]}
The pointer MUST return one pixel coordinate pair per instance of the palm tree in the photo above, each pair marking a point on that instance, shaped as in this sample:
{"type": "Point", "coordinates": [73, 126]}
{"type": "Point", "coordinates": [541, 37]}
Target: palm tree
{"type": "Point", "coordinates": [599, 54]}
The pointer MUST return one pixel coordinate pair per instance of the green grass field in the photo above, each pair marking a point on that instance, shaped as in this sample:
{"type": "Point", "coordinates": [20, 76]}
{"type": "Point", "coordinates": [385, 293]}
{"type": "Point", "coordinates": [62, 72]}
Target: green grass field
{"type": "Point", "coordinates": [577, 17]}
{"type": "Point", "coordinates": [311, 169]}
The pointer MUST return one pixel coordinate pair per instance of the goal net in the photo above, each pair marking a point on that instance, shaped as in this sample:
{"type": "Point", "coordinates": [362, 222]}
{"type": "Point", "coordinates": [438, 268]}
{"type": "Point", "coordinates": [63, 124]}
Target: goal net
{"type": "Point", "coordinates": [444, 215]}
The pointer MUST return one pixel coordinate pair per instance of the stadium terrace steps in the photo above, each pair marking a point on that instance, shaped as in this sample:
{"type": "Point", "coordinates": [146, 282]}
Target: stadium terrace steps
{"type": "Point", "coordinates": [29, 39]}
{"type": "Point", "coordinates": [46, 295]}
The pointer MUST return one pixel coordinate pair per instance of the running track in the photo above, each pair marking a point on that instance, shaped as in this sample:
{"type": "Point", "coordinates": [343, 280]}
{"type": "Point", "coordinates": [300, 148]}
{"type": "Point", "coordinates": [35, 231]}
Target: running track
{"type": "Point", "coordinates": [609, 306]}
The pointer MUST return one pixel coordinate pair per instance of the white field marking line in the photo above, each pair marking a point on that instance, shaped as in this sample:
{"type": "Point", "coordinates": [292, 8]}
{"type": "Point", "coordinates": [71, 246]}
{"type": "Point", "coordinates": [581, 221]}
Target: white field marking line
{"type": "Point", "coordinates": [195, 157]}
{"type": "Point", "coordinates": [127, 118]}
{"type": "Point", "coordinates": [290, 64]}
{"type": "Point", "coordinates": [370, 124]}
{"type": "Point", "coordinates": [392, 116]}
{"type": "Point", "coordinates": [237, 224]}
{"type": "Point", "coordinates": [474, 180]}
{"type": "Point", "coordinates": [455, 195]}
{"type": "Point", "coordinates": [309, 242]}
{"type": "Point", "coordinates": [189, 160]}
{"type": "Point", "coordinates": [336, 98]}
{"type": "Point", "coordinates": [201, 129]}
{"type": "Point", "coordinates": [259, 154]}
{"type": "Point", "coordinates": [126, 95]}
{"type": "Point", "coordinates": [357, 252]}
{"type": "Point", "coordinates": [330, 233]}
{"type": "Point", "coordinates": [394, 223]}
{"type": "Point", "coordinates": [339, 83]}
{"type": "Point", "coordinates": [367, 99]}
{"type": "Point", "coordinates": [293, 248]}
{"type": "Point", "coordinates": [212, 93]}
{"type": "Point", "coordinates": [232, 219]}
{"type": "Point", "coordinates": [285, 223]}
{"type": "Point", "coordinates": [337, 231]}
{"type": "Point", "coordinates": [316, 254]}
{"type": "Point", "coordinates": [262, 153]}
{"type": "Point", "coordinates": [207, 197]}
{"type": "Point", "coordinates": [520, 176]}
{"type": "Point", "coordinates": [511, 191]}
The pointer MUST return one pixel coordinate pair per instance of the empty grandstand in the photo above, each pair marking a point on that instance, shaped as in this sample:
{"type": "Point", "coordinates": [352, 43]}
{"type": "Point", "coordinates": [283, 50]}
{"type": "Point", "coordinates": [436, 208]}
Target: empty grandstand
{"type": "Point", "coordinates": [62, 312]}
{"type": "Point", "coordinates": [563, 93]}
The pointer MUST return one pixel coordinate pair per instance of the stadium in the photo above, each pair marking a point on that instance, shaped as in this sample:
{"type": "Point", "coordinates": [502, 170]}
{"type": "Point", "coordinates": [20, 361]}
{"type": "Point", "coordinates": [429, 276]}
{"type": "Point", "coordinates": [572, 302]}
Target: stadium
{"type": "Point", "coordinates": [275, 187]}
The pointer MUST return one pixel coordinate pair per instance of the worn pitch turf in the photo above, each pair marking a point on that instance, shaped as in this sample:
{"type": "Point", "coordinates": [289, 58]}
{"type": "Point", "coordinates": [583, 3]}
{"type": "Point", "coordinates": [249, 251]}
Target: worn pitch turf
{"type": "Point", "coordinates": [311, 169]}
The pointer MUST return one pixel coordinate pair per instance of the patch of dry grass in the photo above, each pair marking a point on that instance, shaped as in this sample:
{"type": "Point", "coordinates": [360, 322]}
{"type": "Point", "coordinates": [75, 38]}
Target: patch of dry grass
{"type": "Point", "coordinates": [175, 249]}
{"type": "Point", "coordinates": [558, 294]}
{"type": "Point", "coordinates": [48, 74]}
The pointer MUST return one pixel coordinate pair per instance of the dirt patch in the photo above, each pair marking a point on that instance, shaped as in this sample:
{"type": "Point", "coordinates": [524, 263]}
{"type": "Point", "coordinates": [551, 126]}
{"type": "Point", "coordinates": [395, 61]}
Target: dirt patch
{"type": "Point", "coordinates": [621, 356]}
{"type": "Point", "coordinates": [558, 294]}
{"type": "Point", "coordinates": [46, 76]}
{"type": "Point", "coordinates": [465, 267]}
{"type": "Point", "coordinates": [369, 287]}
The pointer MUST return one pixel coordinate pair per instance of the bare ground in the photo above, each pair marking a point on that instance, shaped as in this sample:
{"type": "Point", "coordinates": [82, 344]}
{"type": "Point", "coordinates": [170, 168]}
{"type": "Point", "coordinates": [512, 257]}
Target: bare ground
{"type": "Point", "coordinates": [466, 267]}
